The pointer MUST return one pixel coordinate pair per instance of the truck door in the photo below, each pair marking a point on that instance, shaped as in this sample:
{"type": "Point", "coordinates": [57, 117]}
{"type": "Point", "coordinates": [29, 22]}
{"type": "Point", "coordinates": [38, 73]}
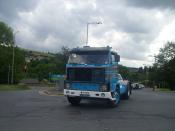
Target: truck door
{"type": "Point", "coordinates": [114, 78]}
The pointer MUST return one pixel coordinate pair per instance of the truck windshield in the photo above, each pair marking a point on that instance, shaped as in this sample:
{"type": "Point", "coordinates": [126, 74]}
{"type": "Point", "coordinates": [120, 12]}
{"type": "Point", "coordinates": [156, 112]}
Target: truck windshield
{"type": "Point", "coordinates": [89, 58]}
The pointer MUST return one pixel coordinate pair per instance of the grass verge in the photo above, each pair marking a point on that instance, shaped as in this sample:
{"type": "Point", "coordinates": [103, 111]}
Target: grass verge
{"type": "Point", "coordinates": [164, 89]}
{"type": "Point", "coordinates": [13, 87]}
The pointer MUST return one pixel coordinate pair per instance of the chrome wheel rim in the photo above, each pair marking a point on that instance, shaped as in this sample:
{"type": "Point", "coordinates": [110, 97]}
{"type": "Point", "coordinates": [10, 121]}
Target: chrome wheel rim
{"type": "Point", "coordinates": [128, 93]}
{"type": "Point", "coordinates": [116, 98]}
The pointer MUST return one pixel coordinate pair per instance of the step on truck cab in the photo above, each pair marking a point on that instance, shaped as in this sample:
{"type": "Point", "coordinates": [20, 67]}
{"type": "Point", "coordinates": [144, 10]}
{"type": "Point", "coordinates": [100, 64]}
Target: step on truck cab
{"type": "Point", "coordinates": [91, 72]}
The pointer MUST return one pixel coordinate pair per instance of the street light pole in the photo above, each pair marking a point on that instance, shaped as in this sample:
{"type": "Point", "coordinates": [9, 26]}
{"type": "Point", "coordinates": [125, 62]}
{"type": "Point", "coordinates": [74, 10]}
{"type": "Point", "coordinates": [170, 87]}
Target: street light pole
{"type": "Point", "coordinates": [9, 75]}
{"type": "Point", "coordinates": [87, 34]}
{"type": "Point", "coordinates": [88, 29]}
{"type": "Point", "coordinates": [13, 57]}
{"type": "Point", "coordinates": [146, 71]}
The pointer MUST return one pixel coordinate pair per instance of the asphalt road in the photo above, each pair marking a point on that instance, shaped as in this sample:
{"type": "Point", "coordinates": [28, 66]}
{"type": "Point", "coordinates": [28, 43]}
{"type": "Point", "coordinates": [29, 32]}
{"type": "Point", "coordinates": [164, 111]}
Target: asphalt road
{"type": "Point", "coordinates": [29, 111]}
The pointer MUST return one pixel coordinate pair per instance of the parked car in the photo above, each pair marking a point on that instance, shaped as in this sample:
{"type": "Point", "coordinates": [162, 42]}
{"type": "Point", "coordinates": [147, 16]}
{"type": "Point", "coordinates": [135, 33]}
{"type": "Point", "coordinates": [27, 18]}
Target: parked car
{"type": "Point", "coordinates": [141, 86]}
{"type": "Point", "coordinates": [137, 86]}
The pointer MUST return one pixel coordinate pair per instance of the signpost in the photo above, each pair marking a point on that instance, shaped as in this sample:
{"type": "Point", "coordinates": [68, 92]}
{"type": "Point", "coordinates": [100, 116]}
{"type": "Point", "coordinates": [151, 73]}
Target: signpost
{"type": "Point", "coordinates": [58, 79]}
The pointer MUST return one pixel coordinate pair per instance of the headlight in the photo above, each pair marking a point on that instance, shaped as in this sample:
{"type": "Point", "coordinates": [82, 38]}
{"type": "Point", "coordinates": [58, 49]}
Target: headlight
{"type": "Point", "coordinates": [104, 88]}
{"type": "Point", "coordinates": [67, 86]}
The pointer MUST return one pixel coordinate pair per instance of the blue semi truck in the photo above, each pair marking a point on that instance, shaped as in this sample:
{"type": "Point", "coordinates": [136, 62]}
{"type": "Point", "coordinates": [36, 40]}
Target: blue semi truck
{"type": "Point", "coordinates": [91, 73]}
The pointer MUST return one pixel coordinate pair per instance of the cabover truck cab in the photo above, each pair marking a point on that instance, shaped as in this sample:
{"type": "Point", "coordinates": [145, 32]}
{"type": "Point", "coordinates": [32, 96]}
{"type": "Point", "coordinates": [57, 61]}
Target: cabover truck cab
{"type": "Point", "coordinates": [91, 72]}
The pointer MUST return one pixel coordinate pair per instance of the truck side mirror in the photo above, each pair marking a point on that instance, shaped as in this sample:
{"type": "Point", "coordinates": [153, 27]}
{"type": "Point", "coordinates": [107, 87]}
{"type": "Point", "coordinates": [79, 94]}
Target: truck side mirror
{"type": "Point", "coordinates": [117, 58]}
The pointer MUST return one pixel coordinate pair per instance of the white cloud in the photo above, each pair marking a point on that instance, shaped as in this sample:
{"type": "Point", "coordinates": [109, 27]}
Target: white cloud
{"type": "Point", "coordinates": [135, 29]}
{"type": "Point", "coordinates": [166, 34]}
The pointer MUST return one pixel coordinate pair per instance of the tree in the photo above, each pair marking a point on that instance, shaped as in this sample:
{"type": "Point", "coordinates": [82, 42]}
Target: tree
{"type": "Point", "coordinates": [65, 53]}
{"type": "Point", "coordinates": [169, 72]}
{"type": "Point", "coordinates": [6, 40]}
{"type": "Point", "coordinates": [6, 34]}
{"type": "Point", "coordinates": [164, 68]}
{"type": "Point", "coordinates": [6, 60]}
{"type": "Point", "coordinates": [124, 71]}
{"type": "Point", "coordinates": [166, 54]}
{"type": "Point", "coordinates": [56, 64]}
{"type": "Point", "coordinates": [133, 76]}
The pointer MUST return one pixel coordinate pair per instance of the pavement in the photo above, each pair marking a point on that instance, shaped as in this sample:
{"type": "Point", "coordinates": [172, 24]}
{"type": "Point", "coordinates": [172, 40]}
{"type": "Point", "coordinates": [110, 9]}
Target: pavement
{"type": "Point", "coordinates": [51, 92]}
{"type": "Point", "coordinates": [32, 111]}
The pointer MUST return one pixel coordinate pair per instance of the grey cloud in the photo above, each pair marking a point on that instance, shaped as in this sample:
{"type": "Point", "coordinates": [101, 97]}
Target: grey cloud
{"type": "Point", "coordinates": [9, 8]}
{"type": "Point", "coordinates": [51, 21]}
{"type": "Point", "coordinates": [130, 49]}
{"type": "Point", "coordinates": [67, 26]}
{"type": "Point", "coordinates": [163, 4]}
{"type": "Point", "coordinates": [126, 19]}
{"type": "Point", "coordinates": [140, 26]}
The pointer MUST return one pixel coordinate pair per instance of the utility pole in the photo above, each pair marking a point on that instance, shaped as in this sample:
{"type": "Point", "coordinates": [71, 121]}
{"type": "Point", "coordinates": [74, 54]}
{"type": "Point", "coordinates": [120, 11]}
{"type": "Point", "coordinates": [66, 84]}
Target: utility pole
{"type": "Point", "coordinates": [88, 30]}
{"type": "Point", "coordinates": [9, 74]}
{"type": "Point", "coordinates": [13, 57]}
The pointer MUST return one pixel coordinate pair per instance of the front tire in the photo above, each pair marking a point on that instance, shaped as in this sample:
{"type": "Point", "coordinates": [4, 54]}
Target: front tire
{"type": "Point", "coordinates": [74, 100]}
{"type": "Point", "coordinates": [115, 103]}
{"type": "Point", "coordinates": [127, 94]}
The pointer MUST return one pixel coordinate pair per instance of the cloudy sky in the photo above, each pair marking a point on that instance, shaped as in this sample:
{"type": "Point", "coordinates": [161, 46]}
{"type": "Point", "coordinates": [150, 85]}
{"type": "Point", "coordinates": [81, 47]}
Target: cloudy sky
{"type": "Point", "coordinates": [135, 28]}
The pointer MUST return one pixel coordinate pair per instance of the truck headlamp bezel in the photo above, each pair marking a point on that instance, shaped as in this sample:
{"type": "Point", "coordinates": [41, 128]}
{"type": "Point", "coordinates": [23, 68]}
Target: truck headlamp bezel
{"type": "Point", "coordinates": [67, 86]}
{"type": "Point", "coordinates": [104, 88]}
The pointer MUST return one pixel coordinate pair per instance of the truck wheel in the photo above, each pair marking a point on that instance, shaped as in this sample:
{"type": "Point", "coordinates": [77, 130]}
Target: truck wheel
{"type": "Point", "coordinates": [74, 100]}
{"type": "Point", "coordinates": [117, 96]}
{"type": "Point", "coordinates": [127, 94]}
{"type": "Point", "coordinates": [130, 88]}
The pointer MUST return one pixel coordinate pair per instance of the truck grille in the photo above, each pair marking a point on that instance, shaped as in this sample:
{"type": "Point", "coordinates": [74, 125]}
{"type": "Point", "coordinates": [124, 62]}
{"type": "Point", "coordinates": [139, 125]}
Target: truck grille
{"type": "Point", "coordinates": [86, 74]}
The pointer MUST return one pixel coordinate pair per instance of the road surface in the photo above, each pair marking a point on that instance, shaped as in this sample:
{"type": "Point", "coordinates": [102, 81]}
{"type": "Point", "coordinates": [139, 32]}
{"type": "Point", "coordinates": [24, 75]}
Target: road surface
{"type": "Point", "coordinates": [30, 111]}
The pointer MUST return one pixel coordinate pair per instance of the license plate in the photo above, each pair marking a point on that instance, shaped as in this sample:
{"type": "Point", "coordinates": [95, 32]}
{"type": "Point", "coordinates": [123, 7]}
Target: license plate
{"type": "Point", "coordinates": [84, 93]}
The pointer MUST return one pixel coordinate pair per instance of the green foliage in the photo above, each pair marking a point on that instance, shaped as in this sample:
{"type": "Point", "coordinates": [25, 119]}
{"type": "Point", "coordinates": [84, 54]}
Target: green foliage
{"type": "Point", "coordinates": [169, 72]}
{"type": "Point", "coordinates": [124, 71]}
{"type": "Point", "coordinates": [6, 41]}
{"type": "Point", "coordinates": [163, 71]}
{"type": "Point", "coordinates": [166, 54]}
{"type": "Point", "coordinates": [54, 64]}
{"type": "Point", "coordinates": [19, 64]}
{"type": "Point", "coordinates": [6, 34]}
{"type": "Point", "coordinates": [13, 87]}
{"type": "Point", "coordinates": [6, 61]}
{"type": "Point", "coordinates": [136, 76]}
